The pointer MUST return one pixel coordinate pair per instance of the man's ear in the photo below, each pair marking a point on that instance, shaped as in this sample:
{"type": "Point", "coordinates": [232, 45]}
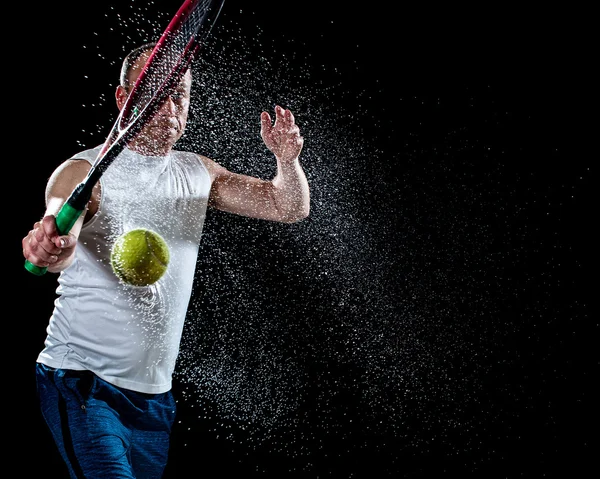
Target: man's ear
{"type": "Point", "coordinates": [121, 96]}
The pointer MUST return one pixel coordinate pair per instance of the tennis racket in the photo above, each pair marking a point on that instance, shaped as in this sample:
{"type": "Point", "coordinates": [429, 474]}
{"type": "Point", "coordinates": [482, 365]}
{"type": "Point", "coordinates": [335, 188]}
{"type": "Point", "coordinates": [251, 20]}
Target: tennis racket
{"type": "Point", "coordinates": [166, 65]}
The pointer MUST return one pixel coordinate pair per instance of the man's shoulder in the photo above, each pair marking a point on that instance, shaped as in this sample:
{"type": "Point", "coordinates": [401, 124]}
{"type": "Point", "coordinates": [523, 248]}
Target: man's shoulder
{"type": "Point", "coordinates": [191, 157]}
{"type": "Point", "coordinates": [195, 160]}
{"type": "Point", "coordinates": [184, 153]}
{"type": "Point", "coordinates": [89, 154]}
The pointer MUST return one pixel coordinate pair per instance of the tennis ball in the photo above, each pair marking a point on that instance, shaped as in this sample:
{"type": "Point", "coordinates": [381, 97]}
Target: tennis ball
{"type": "Point", "coordinates": [139, 257]}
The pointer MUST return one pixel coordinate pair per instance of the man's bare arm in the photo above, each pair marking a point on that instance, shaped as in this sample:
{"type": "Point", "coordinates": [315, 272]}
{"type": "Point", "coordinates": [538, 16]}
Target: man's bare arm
{"type": "Point", "coordinates": [286, 198]}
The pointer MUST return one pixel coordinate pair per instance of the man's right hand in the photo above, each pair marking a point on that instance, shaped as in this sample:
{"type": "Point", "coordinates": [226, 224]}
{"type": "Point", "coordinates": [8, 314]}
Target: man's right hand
{"type": "Point", "coordinates": [44, 247]}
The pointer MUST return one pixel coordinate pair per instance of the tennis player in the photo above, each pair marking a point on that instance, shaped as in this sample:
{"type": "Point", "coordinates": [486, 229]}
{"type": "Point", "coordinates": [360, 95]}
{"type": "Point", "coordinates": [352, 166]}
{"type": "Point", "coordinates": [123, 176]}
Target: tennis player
{"type": "Point", "coordinates": [105, 370]}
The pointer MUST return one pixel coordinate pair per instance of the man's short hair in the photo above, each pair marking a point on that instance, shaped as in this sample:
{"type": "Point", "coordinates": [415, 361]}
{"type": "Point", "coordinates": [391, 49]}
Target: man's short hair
{"type": "Point", "coordinates": [130, 60]}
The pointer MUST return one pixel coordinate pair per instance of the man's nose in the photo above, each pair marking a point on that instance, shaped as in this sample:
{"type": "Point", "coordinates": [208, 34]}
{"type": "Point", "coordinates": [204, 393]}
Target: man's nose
{"type": "Point", "coordinates": [168, 106]}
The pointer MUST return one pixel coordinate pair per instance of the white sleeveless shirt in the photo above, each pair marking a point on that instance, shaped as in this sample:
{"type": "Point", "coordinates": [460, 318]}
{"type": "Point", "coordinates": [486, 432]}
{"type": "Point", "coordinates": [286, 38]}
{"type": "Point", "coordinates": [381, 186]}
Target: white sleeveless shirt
{"type": "Point", "coordinates": [130, 335]}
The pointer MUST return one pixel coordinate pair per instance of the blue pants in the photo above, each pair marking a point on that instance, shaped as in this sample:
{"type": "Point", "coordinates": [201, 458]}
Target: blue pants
{"type": "Point", "coordinates": [104, 431]}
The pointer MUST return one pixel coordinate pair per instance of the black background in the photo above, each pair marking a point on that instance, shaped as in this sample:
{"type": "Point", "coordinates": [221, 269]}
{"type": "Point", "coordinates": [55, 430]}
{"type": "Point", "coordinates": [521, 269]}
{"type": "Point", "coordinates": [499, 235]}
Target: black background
{"type": "Point", "coordinates": [433, 315]}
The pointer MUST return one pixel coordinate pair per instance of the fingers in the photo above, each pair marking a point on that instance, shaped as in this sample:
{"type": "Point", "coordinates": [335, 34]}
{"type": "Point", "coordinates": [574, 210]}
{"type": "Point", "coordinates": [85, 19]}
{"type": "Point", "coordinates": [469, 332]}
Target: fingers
{"type": "Point", "coordinates": [285, 122]}
{"type": "Point", "coordinates": [289, 116]}
{"type": "Point", "coordinates": [42, 245]}
{"type": "Point", "coordinates": [265, 122]}
{"type": "Point", "coordinates": [48, 224]}
{"type": "Point", "coordinates": [284, 117]}
{"type": "Point", "coordinates": [283, 137]}
{"type": "Point", "coordinates": [39, 252]}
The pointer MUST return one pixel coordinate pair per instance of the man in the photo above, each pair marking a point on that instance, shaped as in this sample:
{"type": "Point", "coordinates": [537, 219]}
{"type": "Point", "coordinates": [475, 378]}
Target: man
{"type": "Point", "coordinates": [104, 374]}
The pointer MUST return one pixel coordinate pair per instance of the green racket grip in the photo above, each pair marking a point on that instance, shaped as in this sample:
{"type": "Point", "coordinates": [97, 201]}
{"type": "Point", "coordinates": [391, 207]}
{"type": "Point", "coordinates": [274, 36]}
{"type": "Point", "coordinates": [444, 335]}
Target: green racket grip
{"type": "Point", "coordinates": [65, 219]}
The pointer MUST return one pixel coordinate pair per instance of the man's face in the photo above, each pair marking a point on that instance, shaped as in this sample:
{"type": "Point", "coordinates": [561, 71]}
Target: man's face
{"type": "Point", "coordinates": [168, 124]}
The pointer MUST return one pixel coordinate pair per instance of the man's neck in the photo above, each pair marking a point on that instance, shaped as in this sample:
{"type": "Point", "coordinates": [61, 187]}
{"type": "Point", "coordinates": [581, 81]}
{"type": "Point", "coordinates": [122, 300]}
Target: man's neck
{"type": "Point", "coordinates": [150, 148]}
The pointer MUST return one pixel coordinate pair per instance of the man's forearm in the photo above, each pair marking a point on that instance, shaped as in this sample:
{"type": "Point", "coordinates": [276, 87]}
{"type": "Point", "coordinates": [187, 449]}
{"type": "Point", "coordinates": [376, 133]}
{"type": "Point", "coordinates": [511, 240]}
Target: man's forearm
{"type": "Point", "coordinates": [291, 192]}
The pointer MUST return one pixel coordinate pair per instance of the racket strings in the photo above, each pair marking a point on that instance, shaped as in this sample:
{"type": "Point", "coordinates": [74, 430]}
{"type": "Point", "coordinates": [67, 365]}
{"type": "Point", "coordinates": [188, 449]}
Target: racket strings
{"type": "Point", "coordinates": [170, 59]}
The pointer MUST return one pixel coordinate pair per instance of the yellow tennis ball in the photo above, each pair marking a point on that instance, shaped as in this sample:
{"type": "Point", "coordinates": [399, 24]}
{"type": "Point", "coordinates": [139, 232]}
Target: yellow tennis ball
{"type": "Point", "coordinates": [140, 257]}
